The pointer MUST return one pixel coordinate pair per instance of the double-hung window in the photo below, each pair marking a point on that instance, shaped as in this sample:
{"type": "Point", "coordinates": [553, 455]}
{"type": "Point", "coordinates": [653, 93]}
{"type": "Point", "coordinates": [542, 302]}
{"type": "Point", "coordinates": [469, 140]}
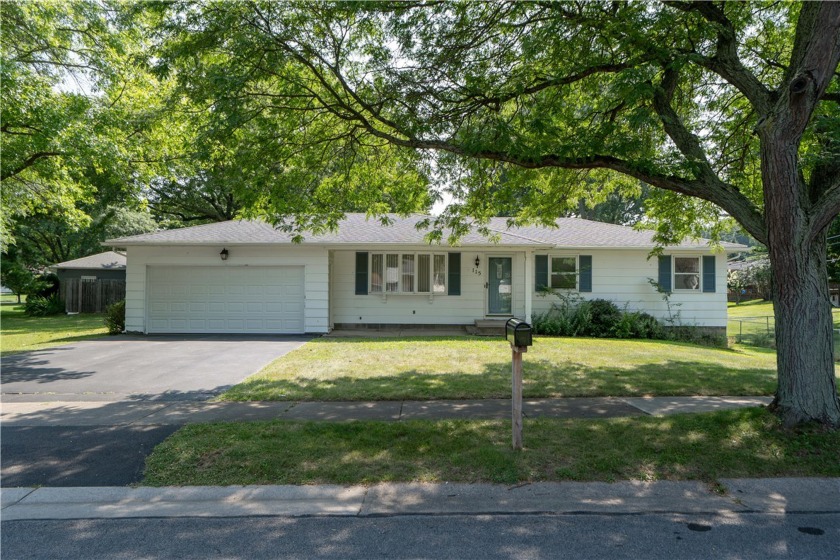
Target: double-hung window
{"type": "Point", "coordinates": [407, 273]}
{"type": "Point", "coordinates": [686, 273]}
{"type": "Point", "coordinates": [563, 273]}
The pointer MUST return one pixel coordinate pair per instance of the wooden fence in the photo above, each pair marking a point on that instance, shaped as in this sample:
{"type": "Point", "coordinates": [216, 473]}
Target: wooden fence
{"type": "Point", "coordinates": [91, 296]}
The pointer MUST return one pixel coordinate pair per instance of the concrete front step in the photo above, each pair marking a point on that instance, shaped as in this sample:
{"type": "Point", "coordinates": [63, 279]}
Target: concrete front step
{"type": "Point", "coordinates": [489, 327]}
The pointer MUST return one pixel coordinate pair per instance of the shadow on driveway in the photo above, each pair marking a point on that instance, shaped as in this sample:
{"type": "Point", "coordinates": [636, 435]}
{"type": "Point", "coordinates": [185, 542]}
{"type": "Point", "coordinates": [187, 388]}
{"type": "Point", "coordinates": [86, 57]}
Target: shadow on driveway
{"type": "Point", "coordinates": [77, 455]}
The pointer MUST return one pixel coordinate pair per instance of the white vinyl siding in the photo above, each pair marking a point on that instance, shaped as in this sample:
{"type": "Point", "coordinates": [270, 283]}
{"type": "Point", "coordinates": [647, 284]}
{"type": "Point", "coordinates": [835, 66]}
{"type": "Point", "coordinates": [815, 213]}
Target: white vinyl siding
{"type": "Point", "coordinates": [623, 276]}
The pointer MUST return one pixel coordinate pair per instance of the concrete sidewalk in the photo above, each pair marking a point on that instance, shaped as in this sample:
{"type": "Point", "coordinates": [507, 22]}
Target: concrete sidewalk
{"type": "Point", "coordinates": [783, 495]}
{"type": "Point", "coordinates": [154, 413]}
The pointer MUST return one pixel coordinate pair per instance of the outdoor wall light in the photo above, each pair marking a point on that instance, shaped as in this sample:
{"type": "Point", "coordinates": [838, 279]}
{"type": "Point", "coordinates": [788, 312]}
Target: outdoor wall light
{"type": "Point", "coordinates": [477, 261]}
{"type": "Point", "coordinates": [224, 254]}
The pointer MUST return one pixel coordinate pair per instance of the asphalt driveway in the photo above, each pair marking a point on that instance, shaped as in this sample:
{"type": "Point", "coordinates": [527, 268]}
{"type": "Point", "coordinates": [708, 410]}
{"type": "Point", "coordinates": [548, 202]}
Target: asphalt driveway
{"type": "Point", "coordinates": [139, 367]}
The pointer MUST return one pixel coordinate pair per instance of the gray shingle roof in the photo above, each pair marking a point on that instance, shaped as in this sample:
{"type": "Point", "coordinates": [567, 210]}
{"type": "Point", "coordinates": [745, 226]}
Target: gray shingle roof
{"type": "Point", "coordinates": [356, 229]}
{"type": "Point", "coordinates": [109, 260]}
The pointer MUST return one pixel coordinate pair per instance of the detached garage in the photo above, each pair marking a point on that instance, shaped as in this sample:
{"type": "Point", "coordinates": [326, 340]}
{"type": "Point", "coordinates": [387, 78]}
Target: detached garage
{"type": "Point", "coordinates": [230, 299]}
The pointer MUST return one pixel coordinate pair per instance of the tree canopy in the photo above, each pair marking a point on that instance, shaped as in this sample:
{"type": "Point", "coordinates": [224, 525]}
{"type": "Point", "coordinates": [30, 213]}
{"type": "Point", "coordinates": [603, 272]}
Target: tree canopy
{"type": "Point", "coordinates": [729, 109]}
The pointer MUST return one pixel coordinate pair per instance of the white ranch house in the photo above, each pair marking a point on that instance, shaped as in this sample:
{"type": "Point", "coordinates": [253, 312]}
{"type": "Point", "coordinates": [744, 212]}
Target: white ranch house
{"type": "Point", "coordinates": [369, 275]}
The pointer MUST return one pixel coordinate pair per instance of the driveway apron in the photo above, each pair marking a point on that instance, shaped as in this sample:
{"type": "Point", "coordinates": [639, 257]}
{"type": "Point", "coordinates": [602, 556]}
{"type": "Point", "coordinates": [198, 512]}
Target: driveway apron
{"type": "Point", "coordinates": [70, 451]}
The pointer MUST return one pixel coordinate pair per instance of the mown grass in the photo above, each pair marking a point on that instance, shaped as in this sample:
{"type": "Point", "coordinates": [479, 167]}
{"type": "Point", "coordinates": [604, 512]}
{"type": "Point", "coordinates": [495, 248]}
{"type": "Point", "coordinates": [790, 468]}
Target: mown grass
{"type": "Point", "coordinates": [476, 368]}
{"type": "Point", "coordinates": [740, 443]}
{"type": "Point", "coordinates": [753, 322]}
{"type": "Point", "coordinates": [20, 333]}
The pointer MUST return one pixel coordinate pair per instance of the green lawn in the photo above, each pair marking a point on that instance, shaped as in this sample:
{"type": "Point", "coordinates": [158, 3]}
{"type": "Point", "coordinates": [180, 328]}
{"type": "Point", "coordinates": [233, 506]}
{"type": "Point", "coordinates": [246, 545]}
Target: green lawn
{"type": "Point", "coordinates": [19, 333]}
{"type": "Point", "coordinates": [475, 368]}
{"type": "Point", "coordinates": [753, 322]}
{"type": "Point", "coordinates": [741, 443]}
{"type": "Point", "coordinates": [751, 319]}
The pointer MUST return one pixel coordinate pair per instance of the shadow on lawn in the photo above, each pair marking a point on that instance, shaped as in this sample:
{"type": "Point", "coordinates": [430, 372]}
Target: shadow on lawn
{"type": "Point", "coordinates": [542, 378]}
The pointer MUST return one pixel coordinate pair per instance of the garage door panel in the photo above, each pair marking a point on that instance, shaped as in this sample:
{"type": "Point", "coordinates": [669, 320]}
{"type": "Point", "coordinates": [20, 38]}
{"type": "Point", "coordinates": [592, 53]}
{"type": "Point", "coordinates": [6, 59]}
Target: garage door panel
{"type": "Point", "coordinates": [235, 307]}
{"type": "Point", "coordinates": [293, 307]}
{"type": "Point", "coordinates": [226, 299]}
{"type": "Point", "coordinates": [216, 307]}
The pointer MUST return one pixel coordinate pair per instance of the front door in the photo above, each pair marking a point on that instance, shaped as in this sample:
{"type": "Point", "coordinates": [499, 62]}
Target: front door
{"type": "Point", "coordinates": [499, 286]}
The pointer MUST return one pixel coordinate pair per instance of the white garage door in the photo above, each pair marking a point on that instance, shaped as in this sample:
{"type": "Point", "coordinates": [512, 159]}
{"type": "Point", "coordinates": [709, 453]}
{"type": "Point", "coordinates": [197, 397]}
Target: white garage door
{"type": "Point", "coordinates": [225, 299]}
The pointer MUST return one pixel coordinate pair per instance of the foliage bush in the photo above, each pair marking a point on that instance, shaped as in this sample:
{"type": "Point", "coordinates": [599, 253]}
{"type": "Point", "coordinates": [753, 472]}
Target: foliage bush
{"type": "Point", "coordinates": [574, 316]}
{"type": "Point", "coordinates": [115, 317]}
{"type": "Point", "coordinates": [40, 306]}
{"type": "Point", "coordinates": [604, 318]}
{"type": "Point", "coordinates": [47, 285]}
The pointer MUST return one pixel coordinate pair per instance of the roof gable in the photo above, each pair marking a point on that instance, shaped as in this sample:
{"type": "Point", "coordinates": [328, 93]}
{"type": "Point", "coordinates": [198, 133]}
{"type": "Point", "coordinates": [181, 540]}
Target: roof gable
{"type": "Point", "coordinates": [109, 260]}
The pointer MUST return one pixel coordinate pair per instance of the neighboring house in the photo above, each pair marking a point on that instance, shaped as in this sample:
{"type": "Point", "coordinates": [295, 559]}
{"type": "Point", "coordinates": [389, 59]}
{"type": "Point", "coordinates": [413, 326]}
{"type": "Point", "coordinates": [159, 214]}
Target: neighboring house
{"type": "Point", "coordinates": [109, 265]}
{"type": "Point", "coordinates": [749, 279]}
{"type": "Point", "coordinates": [248, 277]}
{"type": "Point", "coordinates": [92, 283]}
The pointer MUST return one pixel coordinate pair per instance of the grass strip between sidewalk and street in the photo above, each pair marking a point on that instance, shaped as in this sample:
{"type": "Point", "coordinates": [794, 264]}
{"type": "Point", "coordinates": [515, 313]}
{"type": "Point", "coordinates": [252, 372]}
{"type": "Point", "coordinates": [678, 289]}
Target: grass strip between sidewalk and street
{"type": "Point", "coordinates": [330, 369]}
{"type": "Point", "coordinates": [739, 443]}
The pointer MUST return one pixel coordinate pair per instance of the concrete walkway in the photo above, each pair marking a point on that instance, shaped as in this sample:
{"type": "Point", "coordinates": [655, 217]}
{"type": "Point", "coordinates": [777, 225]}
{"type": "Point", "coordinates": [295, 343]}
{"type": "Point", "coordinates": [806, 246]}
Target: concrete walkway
{"type": "Point", "coordinates": [156, 413]}
{"type": "Point", "coordinates": [783, 495]}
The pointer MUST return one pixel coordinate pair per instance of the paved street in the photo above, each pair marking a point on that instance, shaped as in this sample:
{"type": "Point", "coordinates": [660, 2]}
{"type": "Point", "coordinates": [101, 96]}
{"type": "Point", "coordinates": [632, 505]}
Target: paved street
{"type": "Point", "coordinates": [139, 367]}
{"type": "Point", "coordinates": [523, 537]}
{"type": "Point", "coordinates": [743, 518]}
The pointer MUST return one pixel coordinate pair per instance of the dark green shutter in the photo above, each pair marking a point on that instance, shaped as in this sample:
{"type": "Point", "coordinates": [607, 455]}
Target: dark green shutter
{"type": "Point", "coordinates": [454, 273]}
{"type": "Point", "coordinates": [540, 272]}
{"type": "Point", "coordinates": [665, 274]}
{"type": "Point", "coordinates": [361, 273]}
{"type": "Point", "coordinates": [709, 274]}
{"type": "Point", "coordinates": [585, 284]}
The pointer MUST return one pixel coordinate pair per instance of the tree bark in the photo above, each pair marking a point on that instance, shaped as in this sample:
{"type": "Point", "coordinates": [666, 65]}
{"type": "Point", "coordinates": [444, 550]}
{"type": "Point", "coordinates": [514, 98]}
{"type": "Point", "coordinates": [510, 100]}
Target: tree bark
{"type": "Point", "coordinates": [807, 388]}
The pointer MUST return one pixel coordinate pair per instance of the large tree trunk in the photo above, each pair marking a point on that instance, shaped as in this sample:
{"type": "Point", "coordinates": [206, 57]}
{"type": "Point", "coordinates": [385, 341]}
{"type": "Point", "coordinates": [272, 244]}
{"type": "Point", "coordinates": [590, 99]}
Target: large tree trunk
{"type": "Point", "coordinates": [804, 337]}
{"type": "Point", "coordinates": [807, 388]}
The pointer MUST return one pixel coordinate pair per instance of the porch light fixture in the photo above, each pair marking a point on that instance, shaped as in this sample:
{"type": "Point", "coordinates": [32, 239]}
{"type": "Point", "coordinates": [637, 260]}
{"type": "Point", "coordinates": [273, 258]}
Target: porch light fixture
{"type": "Point", "coordinates": [224, 254]}
{"type": "Point", "coordinates": [477, 261]}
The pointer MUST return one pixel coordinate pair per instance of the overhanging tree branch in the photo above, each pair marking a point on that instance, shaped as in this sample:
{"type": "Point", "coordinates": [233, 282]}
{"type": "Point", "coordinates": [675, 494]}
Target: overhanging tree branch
{"type": "Point", "coordinates": [726, 62]}
{"type": "Point", "coordinates": [27, 163]}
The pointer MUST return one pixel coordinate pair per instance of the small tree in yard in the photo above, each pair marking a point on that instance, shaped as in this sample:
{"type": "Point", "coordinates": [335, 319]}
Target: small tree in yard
{"type": "Point", "coordinates": [722, 107]}
{"type": "Point", "coordinates": [18, 278]}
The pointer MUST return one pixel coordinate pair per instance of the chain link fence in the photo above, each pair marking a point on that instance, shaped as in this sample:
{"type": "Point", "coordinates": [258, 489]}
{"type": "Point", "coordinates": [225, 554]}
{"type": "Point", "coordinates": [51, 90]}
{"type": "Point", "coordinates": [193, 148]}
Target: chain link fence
{"type": "Point", "coordinates": [755, 331]}
{"type": "Point", "coordinates": [761, 331]}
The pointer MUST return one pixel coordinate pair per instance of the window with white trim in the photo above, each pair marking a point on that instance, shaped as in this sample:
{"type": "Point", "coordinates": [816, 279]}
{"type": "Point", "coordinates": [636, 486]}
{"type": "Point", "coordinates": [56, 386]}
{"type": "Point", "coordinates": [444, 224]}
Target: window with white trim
{"type": "Point", "coordinates": [687, 273]}
{"type": "Point", "coordinates": [563, 273]}
{"type": "Point", "coordinates": [407, 273]}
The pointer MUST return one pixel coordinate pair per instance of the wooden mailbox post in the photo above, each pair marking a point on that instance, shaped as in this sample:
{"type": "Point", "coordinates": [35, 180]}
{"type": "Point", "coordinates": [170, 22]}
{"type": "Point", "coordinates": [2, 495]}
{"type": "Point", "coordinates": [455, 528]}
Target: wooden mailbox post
{"type": "Point", "coordinates": [518, 333]}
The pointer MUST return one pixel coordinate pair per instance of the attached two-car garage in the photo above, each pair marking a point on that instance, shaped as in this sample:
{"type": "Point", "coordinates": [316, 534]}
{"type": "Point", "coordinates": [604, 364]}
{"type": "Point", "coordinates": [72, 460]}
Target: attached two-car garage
{"type": "Point", "coordinates": [225, 299]}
